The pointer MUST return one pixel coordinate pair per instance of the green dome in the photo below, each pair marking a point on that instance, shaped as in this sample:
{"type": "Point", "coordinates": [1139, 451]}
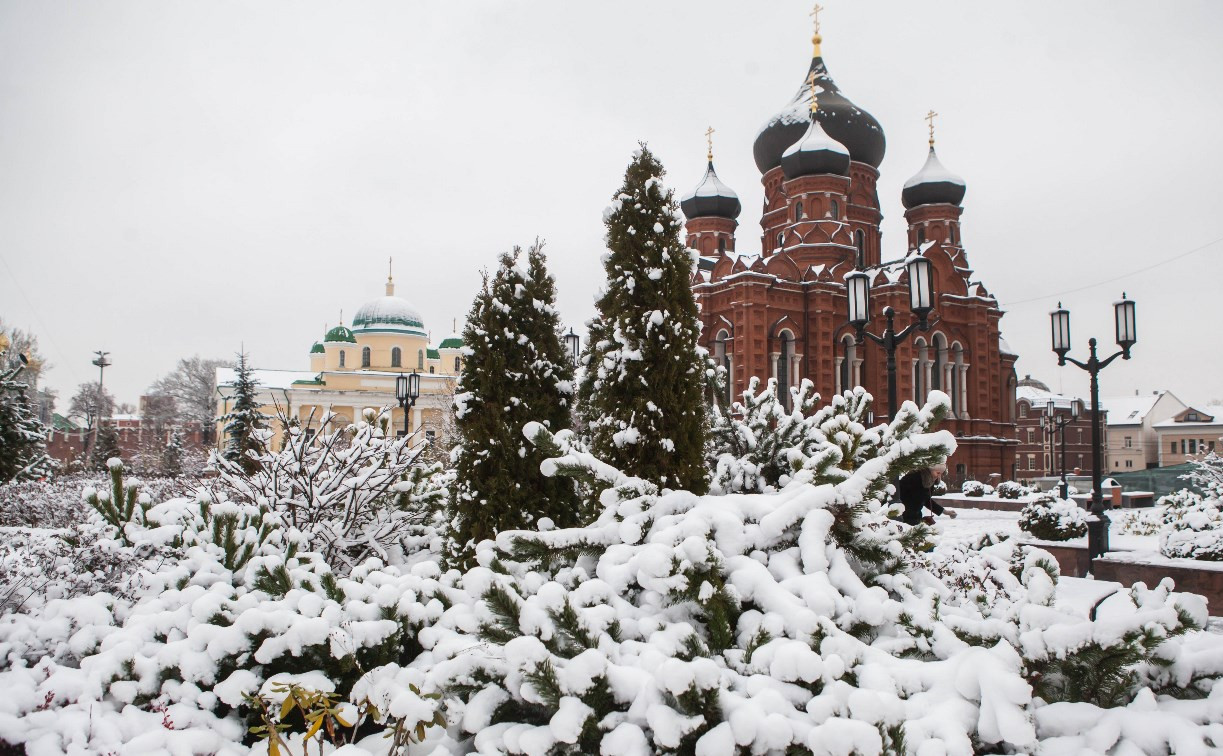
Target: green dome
{"type": "Point", "coordinates": [317, 348]}
{"type": "Point", "coordinates": [341, 334]}
{"type": "Point", "coordinates": [454, 342]}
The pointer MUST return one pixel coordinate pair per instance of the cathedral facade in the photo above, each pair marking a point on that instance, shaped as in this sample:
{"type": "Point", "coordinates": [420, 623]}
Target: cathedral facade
{"type": "Point", "coordinates": [781, 311]}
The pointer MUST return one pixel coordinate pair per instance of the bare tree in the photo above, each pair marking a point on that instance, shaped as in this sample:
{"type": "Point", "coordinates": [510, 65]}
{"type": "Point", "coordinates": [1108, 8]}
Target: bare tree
{"type": "Point", "coordinates": [24, 343]}
{"type": "Point", "coordinates": [91, 402]}
{"type": "Point", "coordinates": [193, 387]}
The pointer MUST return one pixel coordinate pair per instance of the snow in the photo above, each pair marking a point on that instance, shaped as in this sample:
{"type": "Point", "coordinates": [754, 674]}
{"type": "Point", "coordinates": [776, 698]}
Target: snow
{"type": "Point", "coordinates": [709, 186]}
{"type": "Point", "coordinates": [816, 140]}
{"type": "Point", "coordinates": [388, 313]}
{"type": "Point", "coordinates": [933, 172]}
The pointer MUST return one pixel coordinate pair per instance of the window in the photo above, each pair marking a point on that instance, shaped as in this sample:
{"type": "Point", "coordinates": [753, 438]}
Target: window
{"type": "Point", "coordinates": [1193, 446]}
{"type": "Point", "coordinates": [1129, 442]}
{"type": "Point", "coordinates": [849, 355]}
{"type": "Point", "coordinates": [860, 243]}
{"type": "Point", "coordinates": [456, 364]}
{"type": "Point", "coordinates": [1031, 436]}
{"type": "Point", "coordinates": [1192, 417]}
{"type": "Point", "coordinates": [1129, 463]}
{"type": "Point", "coordinates": [722, 354]}
{"type": "Point", "coordinates": [785, 351]}
{"type": "Point", "coordinates": [432, 369]}
{"type": "Point", "coordinates": [420, 359]}
{"type": "Point", "coordinates": [1080, 435]}
{"type": "Point", "coordinates": [1031, 461]}
{"type": "Point", "coordinates": [1173, 450]}
{"type": "Point", "coordinates": [721, 245]}
{"type": "Point", "coordinates": [1212, 446]}
{"type": "Point", "coordinates": [1023, 409]}
{"type": "Point", "coordinates": [781, 239]}
{"type": "Point", "coordinates": [341, 358]}
{"type": "Point", "coordinates": [921, 236]}
{"type": "Point", "coordinates": [396, 357]}
{"type": "Point", "coordinates": [920, 367]}
{"type": "Point", "coordinates": [1047, 461]}
{"type": "Point", "coordinates": [961, 472]}
{"type": "Point", "coordinates": [834, 209]}
{"type": "Point", "coordinates": [1182, 446]}
{"type": "Point", "coordinates": [798, 211]}
{"type": "Point", "coordinates": [364, 357]}
{"type": "Point", "coordinates": [940, 361]}
{"type": "Point", "coordinates": [951, 234]}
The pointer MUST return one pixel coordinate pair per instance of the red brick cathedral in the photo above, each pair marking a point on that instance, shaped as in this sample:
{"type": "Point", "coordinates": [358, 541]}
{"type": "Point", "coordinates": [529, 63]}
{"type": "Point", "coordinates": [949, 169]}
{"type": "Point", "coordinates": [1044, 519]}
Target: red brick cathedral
{"type": "Point", "coordinates": [781, 312]}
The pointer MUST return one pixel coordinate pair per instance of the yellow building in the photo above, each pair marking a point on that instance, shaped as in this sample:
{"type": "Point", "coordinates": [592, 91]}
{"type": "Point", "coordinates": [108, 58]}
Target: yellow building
{"type": "Point", "coordinates": [355, 368]}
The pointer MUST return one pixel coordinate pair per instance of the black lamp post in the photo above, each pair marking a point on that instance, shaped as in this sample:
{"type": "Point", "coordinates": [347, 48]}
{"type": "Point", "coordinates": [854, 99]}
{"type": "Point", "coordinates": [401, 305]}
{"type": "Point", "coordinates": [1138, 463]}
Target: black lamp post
{"type": "Point", "coordinates": [921, 302]}
{"type": "Point", "coordinates": [407, 391]}
{"type": "Point", "coordinates": [573, 343]}
{"type": "Point", "coordinates": [1054, 423]}
{"type": "Point", "coordinates": [1127, 336]}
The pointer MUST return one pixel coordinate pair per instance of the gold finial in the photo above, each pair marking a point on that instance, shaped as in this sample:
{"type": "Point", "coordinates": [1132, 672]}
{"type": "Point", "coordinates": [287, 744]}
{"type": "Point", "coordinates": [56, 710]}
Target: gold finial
{"type": "Point", "coordinates": [816, 38]}
{"type": "Point", "coordinates": [930, 116]}
{"type": "Point", "coordinates": [709, 143]}
{"type": "Point", "coordinates": [390, 283]}
{"type": "Point", "coordinates": [815, 98]}
{"type": "Point", "coordinates": [341, 317]}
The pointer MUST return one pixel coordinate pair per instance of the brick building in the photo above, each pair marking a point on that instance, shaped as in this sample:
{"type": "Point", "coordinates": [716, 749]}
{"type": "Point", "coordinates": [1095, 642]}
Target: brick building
{"type": "Point", "coordinates": [781, 311]}
{"type": "Point", "coordinates": [1039, 452]}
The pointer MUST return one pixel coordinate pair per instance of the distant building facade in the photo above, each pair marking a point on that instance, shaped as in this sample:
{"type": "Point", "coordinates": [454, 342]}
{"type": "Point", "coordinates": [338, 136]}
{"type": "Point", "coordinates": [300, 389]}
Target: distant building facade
{"type": "Point", "coordinates": [1039, 453]}
{"type": "Point", "coordinates": [1190, 435]}
{"type": "Point", "coordinates": [355, 368]}
{"type": "Point", "coordinates": [1132, 440]}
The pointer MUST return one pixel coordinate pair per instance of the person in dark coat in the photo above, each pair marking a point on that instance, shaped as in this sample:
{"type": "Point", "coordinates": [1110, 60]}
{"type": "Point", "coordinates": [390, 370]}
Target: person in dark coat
{"type": "Point", "coordinates": [914, 491]}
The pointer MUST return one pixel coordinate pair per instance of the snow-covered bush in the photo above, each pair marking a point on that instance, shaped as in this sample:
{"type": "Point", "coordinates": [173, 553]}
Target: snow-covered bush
{"type": "Point", "coordinates": [1193, 527]}
{"type": "Point", "coordinates": [1009, 489]}
{"type": "Point", "coordinates": [1207, 475]}
{"type": "Point", "coordinates": [1141, 522]}
{"type": "Point", "coordinates": [53, 503]}
{"type": "Point", "coordinates": [976, 488]}
{"type": "Point", "coordinates": [1052, 519]}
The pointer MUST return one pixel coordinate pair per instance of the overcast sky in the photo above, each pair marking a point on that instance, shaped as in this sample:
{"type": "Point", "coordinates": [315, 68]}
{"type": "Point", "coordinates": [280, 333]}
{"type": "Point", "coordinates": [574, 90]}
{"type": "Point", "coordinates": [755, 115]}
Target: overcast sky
{"type": "Point", "coordinates": [186, 178]}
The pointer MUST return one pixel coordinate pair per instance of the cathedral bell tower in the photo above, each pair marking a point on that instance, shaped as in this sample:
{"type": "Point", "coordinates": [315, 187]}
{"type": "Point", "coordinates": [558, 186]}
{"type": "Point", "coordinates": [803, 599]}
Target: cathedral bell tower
{"type": "Point", "coordinates": [711, 209]}
{"type": "Point", "coordinates": [932, 202]}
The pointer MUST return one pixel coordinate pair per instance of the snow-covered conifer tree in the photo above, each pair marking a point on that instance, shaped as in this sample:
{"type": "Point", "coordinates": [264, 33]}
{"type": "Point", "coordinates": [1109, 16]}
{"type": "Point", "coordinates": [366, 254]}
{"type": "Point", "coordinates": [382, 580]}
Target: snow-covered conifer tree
{"type": "Point", "coordinates": [23, 448]}
{"type": "Point", "coordinates": [641, 393]}
{"type": "Point", "coordinates": [244, 421]}
{"type": "Point", "coordinates": [516, 372]}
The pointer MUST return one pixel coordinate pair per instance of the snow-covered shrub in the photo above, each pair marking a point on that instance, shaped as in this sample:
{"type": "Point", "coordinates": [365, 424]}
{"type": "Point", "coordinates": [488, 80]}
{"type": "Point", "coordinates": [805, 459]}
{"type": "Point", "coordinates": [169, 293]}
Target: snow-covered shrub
{"type": "Point", "coordinates": [121, 507]}
{"type": "Point", "coordinates": [1141, 522]}
{"type": "Point", "coordinates": [1009, 489]}
{"type": "Point", "coordinates": [54, 503]}
{"type": "Point", "coordinates": [976, 488]}
{"type": "Point", "coordinates": [39, 565]}
{"type": "Point", "coordinates": [750, 442]}
{"type": "Point", "coordinates": [1193, 527]}
{"type": "Point", "coordinates": [1207, 475]}
{"type": "Point", "coordinates": [1052, 519]}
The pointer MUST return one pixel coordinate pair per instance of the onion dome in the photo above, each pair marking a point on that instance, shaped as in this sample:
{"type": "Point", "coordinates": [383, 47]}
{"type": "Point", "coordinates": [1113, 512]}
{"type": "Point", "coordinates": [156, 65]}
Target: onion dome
{"type": "Point", "coordinates": [933, 184]}
{"type": "Point", "coordinates": [317, 348]}
{"type": "Point", "coordinates": [711, 198]}
{"type": "Point", "coordinates": [842, 120]}
{"type": "Point", "coordinates": [816, 153]}
{"type": "Point", "coordinates": [339, 334]}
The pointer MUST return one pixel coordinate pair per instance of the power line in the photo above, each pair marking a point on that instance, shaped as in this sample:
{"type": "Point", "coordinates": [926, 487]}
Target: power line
{"type": "Point", "coordinates": [1114, 278]}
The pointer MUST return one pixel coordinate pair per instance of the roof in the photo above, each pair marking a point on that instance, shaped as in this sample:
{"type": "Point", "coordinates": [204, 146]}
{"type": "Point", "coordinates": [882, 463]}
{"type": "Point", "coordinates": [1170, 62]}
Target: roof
{"type": "Point", "coordinates": [1129, 410]}
{"type": "Point", "coordinates": [451, 342]}
{"type": "Point", "coordinates": [273, 379]}
{"type": "Point", "coordinates": [433, 354]}
{"type": "Point", "coordinates": [340, 334]}
{"type": "Point", "coordinates": [388, 313]}
{"type": "Point", "coordinates": [1040, 398]}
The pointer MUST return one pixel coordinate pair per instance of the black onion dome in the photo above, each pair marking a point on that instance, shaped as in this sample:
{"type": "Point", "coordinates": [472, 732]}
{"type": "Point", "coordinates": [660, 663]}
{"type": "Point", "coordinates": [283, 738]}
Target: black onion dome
{"type": "Point", "coordinates": [933, 185]}
{"type": "Point", "coordinates": [816, 153]}
{"type": "Point", "coordinates": [711, 198]}
{"type": "Point", "coordinates": [842, 120]}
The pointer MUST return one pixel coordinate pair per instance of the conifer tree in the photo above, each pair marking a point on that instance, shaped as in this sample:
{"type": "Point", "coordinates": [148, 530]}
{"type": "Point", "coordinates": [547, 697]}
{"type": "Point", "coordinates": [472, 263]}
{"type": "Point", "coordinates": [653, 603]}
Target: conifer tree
{"type": "Point", "coordinates": [516, 372]}
{"type": "Point", "coordinates": [243, 423]}
{"type": "Point", "coordinates": [105, 445]}
{"type": "Point", "coordinates": [641, 392]}
{"type": "Point", "coordinates": [23, 448]}
{"type": "Point", "coordinates": [172, 455]}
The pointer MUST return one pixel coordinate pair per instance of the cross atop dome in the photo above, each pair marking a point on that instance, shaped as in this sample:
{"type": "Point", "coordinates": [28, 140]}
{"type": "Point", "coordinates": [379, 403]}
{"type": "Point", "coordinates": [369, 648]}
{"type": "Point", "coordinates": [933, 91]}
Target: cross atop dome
{"type": "Point", "coordinates": [930, 116]}
{"type": "Point", "coordinates": [815, 37]}
{"type": "Point", "coordinates": [390, 283]}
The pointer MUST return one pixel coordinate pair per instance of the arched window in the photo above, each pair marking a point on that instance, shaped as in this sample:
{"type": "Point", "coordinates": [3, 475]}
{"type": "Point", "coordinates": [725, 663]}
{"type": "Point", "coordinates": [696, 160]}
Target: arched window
{"type": "Point", "coordinates": [921, 366]}
{"type": "Point", "coordinates": [860, 243]}
{"type": "Point", "coordinates": [1023, 409]}
{"type": "Point", "coordinates": [432, 368]}
{"type": "Point", "coordinates": [364, 357]}
{"type": "Point", "coordinates": [781, 239]}
{"type": "Point", "coordinates": [341, 358]}
{"type": "Point", "coordinates": [834, 210]}
{"type": "Point", "coordinates": [785, 350]}
{"type": "Point", "coordinates": [396, 357]}
{"type": "Point", "coordinates": [420, 359]}
{"type": "Point", "coordinates": [846, 373]}
{"type": "Point", "coordinates": [798, 211]}
{"type": "Point", "coordinates": [953, 234]}
{"type": "Point", "coordinates": [938, 369]}
{"type": "Point", "coordinates": [959, 376]}
{"type": "Point", "coordinates": [722, 355]}
{"type": "Point", "coordinates": [457, 364]}
{"type": "Point", "coordinates": [721, 245]}
{"type": "Point", "coordinates": [921, 236]}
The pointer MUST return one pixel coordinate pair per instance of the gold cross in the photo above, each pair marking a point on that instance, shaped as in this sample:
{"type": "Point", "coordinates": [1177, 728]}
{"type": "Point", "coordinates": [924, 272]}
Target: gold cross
{"type": "Point", "coordinates": [815, 99]}
{"type": "Point", "coordinates": [815, 14]}
{"type": "Point", "coordinates": [709, 142]}
{"type": "Point", "coordinates": [389, 262]}
{"type": "Point", "coordinates": [930, 118]}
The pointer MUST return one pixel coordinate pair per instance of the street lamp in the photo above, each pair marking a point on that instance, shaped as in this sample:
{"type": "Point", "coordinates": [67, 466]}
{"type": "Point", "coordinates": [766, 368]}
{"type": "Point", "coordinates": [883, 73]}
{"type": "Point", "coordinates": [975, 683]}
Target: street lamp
{"type": "Point", "coordinates": [1052, 423]}
{"type": "Point", "coordinates": [573, 343]}
{"type": "Point", "coordinates": [1127, 336]}
{"type": "Point", "coordinates": [921, 302]}
{"type": "Point", "coordinates": [407, 391]}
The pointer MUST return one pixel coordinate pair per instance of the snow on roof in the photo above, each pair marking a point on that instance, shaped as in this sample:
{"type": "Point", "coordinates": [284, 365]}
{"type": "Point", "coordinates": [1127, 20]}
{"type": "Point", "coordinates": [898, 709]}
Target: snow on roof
{"type": "Point", "coordinates": [1129, 410]}
{"type": "Point", "coordinates": [933, 172]}
{"type": "Point", "coordinates": [274, 379]}
{"type": "Point", "coordinates": [1172, 423]}
{"type": "Point", "coordinates": [710, 186]}
{"type": "Point", "coordinates": [1004, 346]}
{"type": "Point", "coordinates": [1040, 398]}
{"type": "Point", "coordinates": [816, 140]}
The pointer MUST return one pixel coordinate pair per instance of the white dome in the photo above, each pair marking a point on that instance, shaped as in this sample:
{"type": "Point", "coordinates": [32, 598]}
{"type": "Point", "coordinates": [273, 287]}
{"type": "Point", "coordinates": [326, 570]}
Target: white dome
{"type": "Point", "coordinates": [388, 314]}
